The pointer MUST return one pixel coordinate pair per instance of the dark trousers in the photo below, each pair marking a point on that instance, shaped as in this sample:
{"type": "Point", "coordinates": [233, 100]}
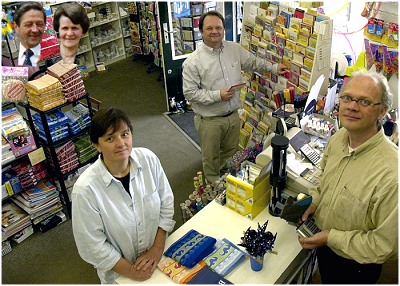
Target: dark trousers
{"type": "Point", "coordinates": [335, 269]}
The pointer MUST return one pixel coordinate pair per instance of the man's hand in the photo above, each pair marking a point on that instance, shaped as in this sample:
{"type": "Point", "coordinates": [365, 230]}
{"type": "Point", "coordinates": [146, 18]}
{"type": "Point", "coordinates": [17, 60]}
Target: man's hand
{"type": "Point", "coordinates": [226, 94]}
{"type": "Point", "coordinates": [282, 69]}
{"type": "Point", "coordinates": [309, 211]}
{"type": "Point", "coordinates": [317, 240]}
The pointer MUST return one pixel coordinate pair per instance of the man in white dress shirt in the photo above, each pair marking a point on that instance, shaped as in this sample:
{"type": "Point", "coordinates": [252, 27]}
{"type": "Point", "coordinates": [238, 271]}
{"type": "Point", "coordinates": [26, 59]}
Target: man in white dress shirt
{"type": "Point", "coordinates": [29, 24]}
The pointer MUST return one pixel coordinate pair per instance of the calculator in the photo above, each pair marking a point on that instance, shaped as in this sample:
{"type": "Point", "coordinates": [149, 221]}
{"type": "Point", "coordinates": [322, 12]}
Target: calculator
{"type": "Point", "coordinates": [291, 121]}
{"type": "Point", "coordinates": [308, 228]}
{"type": "Point", "coordinates": [311, 154]}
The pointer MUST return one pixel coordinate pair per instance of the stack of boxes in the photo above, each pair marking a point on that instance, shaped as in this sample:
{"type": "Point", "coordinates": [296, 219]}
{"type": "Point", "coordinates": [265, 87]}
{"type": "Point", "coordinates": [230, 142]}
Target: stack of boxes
{"type": "Point", "coordinates": [248, 197]}
{"type": "Point", "coordinates": [66, 156]}
{"type": "Point", "coordinates": [45, 93]}
{"type": "Point", "coordinates": [70, 79]}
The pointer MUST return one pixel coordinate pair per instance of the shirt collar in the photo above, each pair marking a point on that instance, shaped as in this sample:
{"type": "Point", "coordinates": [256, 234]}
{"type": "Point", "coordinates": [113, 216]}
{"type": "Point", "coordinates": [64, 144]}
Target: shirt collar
{"type": "Point", "coordinates": [367, 145]}
{"type": "Point", "coordinates": [212, 50]}
{"type": "Point", "coordinates": [108, 178]}
{"type": "Point", "coordinates": [35, 50]}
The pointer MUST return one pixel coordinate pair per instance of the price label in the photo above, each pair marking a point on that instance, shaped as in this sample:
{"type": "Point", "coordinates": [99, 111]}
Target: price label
{"type": "Point", "coordinates": [37, 156]}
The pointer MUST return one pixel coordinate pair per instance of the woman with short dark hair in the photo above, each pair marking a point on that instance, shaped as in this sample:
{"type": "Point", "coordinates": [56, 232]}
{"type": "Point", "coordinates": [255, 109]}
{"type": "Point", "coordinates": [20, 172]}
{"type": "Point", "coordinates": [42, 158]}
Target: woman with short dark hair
{"type": "Point", "coordinates": [71, 23]}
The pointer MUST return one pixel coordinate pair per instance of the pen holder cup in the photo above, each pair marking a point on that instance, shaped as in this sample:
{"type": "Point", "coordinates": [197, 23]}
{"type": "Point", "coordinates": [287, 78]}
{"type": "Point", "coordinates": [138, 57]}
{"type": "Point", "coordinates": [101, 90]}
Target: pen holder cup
{"type": "Point", "coordinates": [256, 263]}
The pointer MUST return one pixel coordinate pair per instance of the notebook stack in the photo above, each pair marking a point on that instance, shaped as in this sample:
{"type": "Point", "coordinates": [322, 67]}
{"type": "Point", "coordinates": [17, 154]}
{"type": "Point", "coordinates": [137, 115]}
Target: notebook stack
{"type": "Point", "coordinates": [66, 157]}
{"type": "Point", "coordinates": [13, 220]}
{"type": "Point", "coordinates": [58, 125]}
{"type": "Point", "coordinates": [79, 118]}
{"type": "Point", "coordinates": [29, 175]}
{"type": "Point", "coordinates": [40, 202]}
{"type": "Point", "coordinates": [85, 149]}
{"type": "Point", "coordinates": [45, 93]}
{"type": "Point", "coordinates": [70, 78]}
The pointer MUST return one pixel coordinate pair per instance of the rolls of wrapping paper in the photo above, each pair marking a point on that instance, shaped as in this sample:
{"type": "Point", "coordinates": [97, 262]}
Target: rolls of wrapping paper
{"type": "Point", "coordinates": [342, 62]}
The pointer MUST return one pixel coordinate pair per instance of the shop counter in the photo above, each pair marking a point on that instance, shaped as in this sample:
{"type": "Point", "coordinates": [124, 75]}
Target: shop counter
{"type": "Point", "coordinates": [220, 222]}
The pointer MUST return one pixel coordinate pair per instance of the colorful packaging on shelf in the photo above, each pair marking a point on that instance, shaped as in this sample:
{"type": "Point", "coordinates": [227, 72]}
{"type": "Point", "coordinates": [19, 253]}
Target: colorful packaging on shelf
{"type": "Point", "coordinates": [13, 83]}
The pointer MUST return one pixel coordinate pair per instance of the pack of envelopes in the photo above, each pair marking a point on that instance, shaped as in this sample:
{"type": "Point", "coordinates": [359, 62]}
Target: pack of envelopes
{"type": "Point", "coordinates": [70, 78]}
{"type": "Point", "coordinates": [45, 93]}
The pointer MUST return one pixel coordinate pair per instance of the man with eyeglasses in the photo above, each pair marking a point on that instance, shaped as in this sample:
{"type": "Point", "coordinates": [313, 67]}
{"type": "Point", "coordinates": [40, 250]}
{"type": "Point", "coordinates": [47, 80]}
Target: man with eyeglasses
{"type": "Point", "coordinates": [208, 74]}
{"type": "Point", "coordinates": [355, 204]}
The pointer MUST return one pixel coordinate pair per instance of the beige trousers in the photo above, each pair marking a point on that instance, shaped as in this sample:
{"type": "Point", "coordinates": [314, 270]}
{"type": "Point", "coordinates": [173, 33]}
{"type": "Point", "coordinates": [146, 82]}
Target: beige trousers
{"type": "Point", "coordinates": [219, 139]}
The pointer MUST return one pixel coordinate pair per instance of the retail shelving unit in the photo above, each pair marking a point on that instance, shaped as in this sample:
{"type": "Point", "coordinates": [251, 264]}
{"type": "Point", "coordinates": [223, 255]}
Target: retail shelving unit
{"type": "Point", "coordinates": [124, 18]}
{"type": "Point", "coordinates": [105, 33]}
{"type": "Point", "coordinates": [55, 170]}
{"type": "Point", "coordinates": [145, 31]}
{"type": "Point", "coordinates": [187, 35]}
{"type": "Point", "coordinates": [304, 46]}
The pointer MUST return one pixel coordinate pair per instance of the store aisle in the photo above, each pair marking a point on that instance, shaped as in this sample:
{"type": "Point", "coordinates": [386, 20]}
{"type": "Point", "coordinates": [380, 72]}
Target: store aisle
{"type": "Point", "coordinates": [51, 257]}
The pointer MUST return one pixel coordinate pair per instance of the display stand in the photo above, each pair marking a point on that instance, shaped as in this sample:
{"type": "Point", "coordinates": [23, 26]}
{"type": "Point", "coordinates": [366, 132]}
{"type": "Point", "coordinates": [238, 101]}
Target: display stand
{"type": "Point", "coordinates": [299, 38]}
{"type": "Point", "coordinates": [144, 31]}
{"type": "Point", "coordinates": [56, 171]}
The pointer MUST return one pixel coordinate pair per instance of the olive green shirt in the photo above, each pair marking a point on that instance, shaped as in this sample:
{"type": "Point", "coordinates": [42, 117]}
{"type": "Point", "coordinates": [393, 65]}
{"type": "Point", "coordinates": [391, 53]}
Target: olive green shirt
{"type": "Point", "coordinates": [357, 198]}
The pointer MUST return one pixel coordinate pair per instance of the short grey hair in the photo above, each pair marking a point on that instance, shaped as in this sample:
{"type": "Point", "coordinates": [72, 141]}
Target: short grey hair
{"type": "Point", "coordinates": [382, 83]}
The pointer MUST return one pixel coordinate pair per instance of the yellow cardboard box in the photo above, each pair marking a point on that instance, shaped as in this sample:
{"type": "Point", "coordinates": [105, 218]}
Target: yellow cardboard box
{"type": "Point", "coordinates": [252, 209]}
{"type": "Point", "coordinates": [244, 190]}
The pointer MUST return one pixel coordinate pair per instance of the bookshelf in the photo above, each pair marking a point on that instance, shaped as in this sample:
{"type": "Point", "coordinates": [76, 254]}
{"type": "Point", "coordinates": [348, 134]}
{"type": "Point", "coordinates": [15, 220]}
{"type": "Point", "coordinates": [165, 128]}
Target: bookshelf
{"type": "Point", "coordinates": [59, 166]}
{"type": "Point", "coordinates": [29, 197]}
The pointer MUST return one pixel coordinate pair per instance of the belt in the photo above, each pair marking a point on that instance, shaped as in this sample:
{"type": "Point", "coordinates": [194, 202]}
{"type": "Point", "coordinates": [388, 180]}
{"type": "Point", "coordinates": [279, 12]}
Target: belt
{"type": "Point", "coordinates": [226, 115]}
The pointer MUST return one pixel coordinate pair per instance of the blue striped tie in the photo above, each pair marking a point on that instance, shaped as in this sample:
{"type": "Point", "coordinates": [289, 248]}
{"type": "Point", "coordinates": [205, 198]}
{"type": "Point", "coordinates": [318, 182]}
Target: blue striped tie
{"type": "Point", "coordinates": [28, 53]}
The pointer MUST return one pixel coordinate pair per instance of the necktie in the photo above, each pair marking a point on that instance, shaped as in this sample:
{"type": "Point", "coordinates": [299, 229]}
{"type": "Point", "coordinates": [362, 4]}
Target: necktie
{"type": "Point", "coordinates": [28, 53]}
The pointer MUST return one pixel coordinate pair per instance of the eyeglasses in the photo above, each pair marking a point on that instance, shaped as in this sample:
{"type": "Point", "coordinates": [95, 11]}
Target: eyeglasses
{"type": "Point", "coordinates": [361, 102]}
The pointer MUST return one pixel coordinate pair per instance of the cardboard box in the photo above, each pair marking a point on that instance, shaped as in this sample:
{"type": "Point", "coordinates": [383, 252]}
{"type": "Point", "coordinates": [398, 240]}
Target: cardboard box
{"type": "Point", "coordinates": [247, 208]}
{"type": "Point", "coordinates": [244, 190]}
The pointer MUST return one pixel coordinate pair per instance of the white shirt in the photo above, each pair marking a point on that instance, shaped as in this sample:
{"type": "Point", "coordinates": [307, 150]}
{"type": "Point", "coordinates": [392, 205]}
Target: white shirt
{"type": "Point", "coordinates": [108, 223]}
{"type": "Point", "coordinates": [34, 59]}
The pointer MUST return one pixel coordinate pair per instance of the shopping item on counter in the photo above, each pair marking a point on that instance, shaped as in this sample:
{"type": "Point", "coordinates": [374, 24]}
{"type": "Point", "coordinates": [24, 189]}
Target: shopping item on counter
{"type": "Point", "coordinates": [178, 272]}
{"type": "Point", "coordinates": [225, 257]}
{"type": "Point", "coordinates": [208, 276]}
{"type": "Point", "coordinates": [191, 248]}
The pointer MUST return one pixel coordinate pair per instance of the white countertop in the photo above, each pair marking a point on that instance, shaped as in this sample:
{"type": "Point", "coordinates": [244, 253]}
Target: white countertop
{"type": "Point", "coordinates": [221, 222]}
